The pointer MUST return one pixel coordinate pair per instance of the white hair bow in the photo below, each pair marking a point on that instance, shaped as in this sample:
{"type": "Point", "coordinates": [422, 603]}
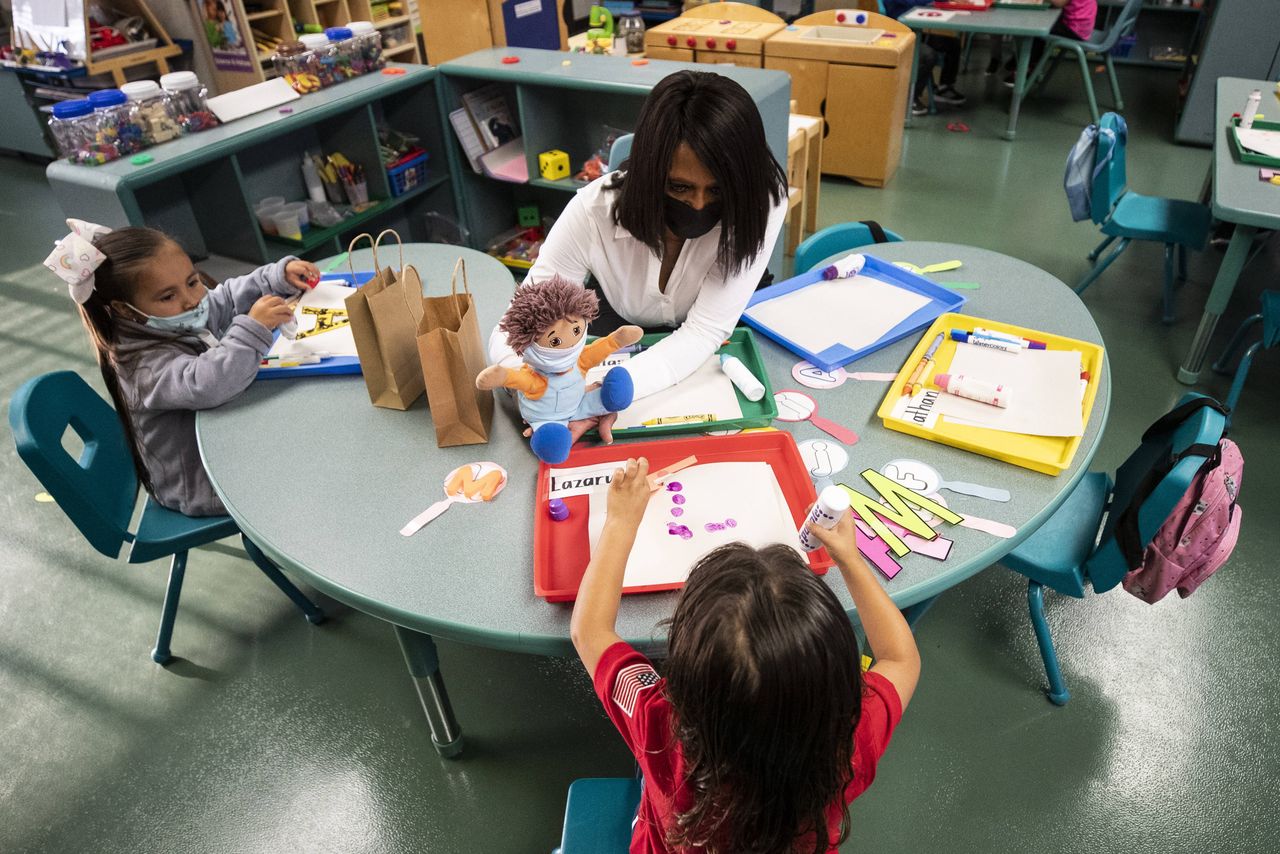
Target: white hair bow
{"type": "Point", "coordinates": [74, 258]}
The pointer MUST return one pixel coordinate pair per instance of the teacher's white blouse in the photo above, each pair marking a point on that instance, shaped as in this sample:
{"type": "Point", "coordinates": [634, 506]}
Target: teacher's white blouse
{"type": "Point", "coordinates": [699, 297]}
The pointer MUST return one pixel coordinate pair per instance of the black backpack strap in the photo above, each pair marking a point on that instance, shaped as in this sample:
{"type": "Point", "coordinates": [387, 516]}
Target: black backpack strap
{"type": "Point", "coordinates": [877, 231]}
{"type": "Point", "coordinates": [1174, 418]}
{"type": "Point", "coordinates": [1127, 535]}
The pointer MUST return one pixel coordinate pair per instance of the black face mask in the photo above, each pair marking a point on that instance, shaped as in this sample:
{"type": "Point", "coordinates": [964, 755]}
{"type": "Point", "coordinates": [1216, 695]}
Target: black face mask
{"type": "Point", "coordinates": [687, 223]}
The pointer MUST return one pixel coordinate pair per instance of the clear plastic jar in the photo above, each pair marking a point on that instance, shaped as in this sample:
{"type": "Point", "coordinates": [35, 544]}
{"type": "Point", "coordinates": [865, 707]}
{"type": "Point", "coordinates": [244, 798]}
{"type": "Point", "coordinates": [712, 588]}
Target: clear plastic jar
{"type": "Point", "coordinates": [345, 52]}
{"type": "Point", "coordinates": [75, 129]}
{"type": "Point", "coordinates": [189, 104]}
{"type": "Point", "coordinates": [298, 66]}
{"type": "Point", "coordinates": [631, 30]}
{"type": "Point", "coordinates": [368, 40]}
{"type": "Point", "coordinates": [153, 110]}
{"type": "Point", "coordinates": [117, 123]}
{"type": "Point", "coordinates": [324, 55]}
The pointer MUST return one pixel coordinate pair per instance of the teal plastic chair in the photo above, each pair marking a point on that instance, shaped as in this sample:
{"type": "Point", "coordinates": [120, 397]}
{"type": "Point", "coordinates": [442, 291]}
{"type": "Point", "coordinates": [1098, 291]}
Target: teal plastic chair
{"type": "Point", "coordinates": [620, 151]}
{"type": "Point", "coordinates": [98, 490]}
{"type": "Point", "coordinates": [1066, 554]}
{"type": "Point", "coordinates": [1127, 216]}
{"type": "Point", "coordinates": [598, 815]}
{"type": "Point", "coordinates": [1098, 47]}
{"type": "Point", "coordinates": [1269, 317]}
{"type": "Point", "coordinates": [837, 238]}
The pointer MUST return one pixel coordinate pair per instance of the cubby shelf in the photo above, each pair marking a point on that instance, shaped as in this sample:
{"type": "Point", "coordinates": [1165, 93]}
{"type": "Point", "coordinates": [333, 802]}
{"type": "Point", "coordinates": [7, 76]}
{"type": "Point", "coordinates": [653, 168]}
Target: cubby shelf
{"type": "Point", "coordinates": [321, 237]}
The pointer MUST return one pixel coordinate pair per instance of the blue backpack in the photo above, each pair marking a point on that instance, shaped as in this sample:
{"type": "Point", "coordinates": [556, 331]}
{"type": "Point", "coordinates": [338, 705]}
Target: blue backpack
{"type": "Point", "coordinates": [1082, 170]}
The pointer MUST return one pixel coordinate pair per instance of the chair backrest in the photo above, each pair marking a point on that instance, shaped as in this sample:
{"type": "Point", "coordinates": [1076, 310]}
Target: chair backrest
{"type": "Point", "coordinates": [836, 238]}
{"type": "Point", "coordinates": [1122, 25]}
{"type": "Point", "coordinates": [98, 490]}
{"type": "Point", "coordinates": [619, 151]}
{"type": "Point", "coordinates": [1107, 566]}
{"type": "Point", "coordinates": [1109, 182]}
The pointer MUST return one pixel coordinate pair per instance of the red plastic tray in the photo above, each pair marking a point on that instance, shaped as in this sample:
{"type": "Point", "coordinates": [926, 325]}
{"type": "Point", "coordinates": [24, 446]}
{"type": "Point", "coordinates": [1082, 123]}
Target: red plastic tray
{"type": "Point", "coordinates": [964, 5]}
{"type": "Point", "coordinates": [561, 549]}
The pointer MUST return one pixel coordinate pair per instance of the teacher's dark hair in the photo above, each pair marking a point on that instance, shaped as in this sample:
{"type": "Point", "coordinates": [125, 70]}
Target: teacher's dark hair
{"type": "Point", "coordinates": [718, 120]}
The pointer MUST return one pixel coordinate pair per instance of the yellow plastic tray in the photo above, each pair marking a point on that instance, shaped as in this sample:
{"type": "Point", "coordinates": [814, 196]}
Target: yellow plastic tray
{"type": "Point", "coordinates": [1048, 454]}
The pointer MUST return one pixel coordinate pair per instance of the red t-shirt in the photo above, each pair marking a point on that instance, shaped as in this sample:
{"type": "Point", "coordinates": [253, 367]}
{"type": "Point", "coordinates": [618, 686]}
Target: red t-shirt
{"type": "Point", "coordinates": [634, 699]}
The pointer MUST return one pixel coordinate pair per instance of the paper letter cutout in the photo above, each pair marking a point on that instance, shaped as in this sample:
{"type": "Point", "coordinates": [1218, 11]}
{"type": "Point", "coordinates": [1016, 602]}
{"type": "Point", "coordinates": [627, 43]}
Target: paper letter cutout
{"type": "Point", "coordinates": [898, 497]}
{"type": "Point", "coordinates": [876, 551]}
{"type": "Point", "coordinates": [463, 482]}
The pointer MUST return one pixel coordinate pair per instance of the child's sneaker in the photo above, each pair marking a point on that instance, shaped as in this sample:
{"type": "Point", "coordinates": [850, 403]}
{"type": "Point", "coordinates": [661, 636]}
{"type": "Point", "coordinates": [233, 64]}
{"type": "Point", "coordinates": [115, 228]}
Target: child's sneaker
{"type": "Point", "coordinates": [919, 107]}
{"type": "Point", "coordinates": [948, 95]}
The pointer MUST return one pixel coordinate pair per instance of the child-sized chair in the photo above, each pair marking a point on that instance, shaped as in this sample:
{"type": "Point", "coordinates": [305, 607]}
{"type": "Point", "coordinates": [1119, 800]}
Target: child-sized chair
{"type": "Point", "coordinates": [1129, 216]}
{"type": "Point", "coordinates": [1269, 317]}
{"type": "Point", "coordinates": [598, 815]}
{"type": "Point", "coordinates": [99, 490]}
{"type": "Point", "coordinates": [838, 238]}
{"type": "Point", "coordinates": [1098, 47]}
{"type": "Point", "coordinates": [1066, 553]}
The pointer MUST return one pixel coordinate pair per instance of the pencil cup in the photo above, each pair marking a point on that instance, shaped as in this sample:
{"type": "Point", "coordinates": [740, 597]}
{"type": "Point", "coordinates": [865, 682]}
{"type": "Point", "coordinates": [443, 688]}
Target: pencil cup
{"type": "Point", "coordinates": [357, 192]}
{"type": "Point", "coordinates": [287, 224]}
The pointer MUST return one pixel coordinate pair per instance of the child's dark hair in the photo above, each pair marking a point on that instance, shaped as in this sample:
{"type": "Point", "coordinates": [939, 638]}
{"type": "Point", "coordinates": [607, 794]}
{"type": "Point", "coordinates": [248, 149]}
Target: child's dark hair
{"type": "Point", "coordinates": [764, 680]}
{"type": "Point", "coordinates": [129, 251]}
{"type": "Point", "coordinates": [717, 119]}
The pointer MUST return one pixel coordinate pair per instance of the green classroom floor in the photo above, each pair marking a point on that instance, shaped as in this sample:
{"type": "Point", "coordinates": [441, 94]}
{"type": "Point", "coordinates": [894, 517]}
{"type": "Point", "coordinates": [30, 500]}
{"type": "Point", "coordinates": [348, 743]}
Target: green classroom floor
{"type": "Point", "coordinates": [269, 735]}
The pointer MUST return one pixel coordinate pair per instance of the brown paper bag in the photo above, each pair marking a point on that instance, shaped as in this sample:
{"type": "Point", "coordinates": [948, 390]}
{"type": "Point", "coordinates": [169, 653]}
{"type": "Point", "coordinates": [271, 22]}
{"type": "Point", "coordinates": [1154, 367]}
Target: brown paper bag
{"type": "Point", "coordinates": [384, 315]}
{"type": "Point", "coordinates": [452, 354]}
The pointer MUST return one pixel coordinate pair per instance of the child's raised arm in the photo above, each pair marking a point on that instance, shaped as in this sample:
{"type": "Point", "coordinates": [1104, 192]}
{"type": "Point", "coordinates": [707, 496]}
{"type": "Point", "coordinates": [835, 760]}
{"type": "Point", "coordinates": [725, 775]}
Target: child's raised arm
{"type": "Point", "coordinates": [237, 295]}
{"type": "Point", "coordinates": [890, 638]}
{"type": "Point", "coordinates": [595, 613]}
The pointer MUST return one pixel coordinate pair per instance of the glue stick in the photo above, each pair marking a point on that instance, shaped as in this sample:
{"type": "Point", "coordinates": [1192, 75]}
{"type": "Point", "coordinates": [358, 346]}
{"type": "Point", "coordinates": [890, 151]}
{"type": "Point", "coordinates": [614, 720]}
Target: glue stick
{"type": "Point", "coordinates": [742, 377]}
{"type": "Point", "coordinates": [974, 389]}
{"type": "Point", "coordinates": [832, 502]}
{"type": "Point", "coordinates": [1251, 108]}
{"type": "Point", "coordinates": [849, 265]}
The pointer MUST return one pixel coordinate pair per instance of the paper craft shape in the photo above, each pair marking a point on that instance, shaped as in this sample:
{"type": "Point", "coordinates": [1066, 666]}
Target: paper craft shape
{"type": "Point", "coordinates": [659, 478]}
{"type": "Point", "coordinates": [1262, 141]}
{"type": "Point", "coordinates": [987, 526]}
{"type": "Point", "coordinates": [1045, 391]}
{"type": "Point", "coordinates": [705, 506]}
{"type": "Point", "coordinates": [707, 391]}
{"type": "Point", "coordinates": [798, 406]}
{"type": "Point", "coordinates": [323, 324]}
{"type": "Point", "coordinates": [823, 459]}
{"type": "Point", "coordinates": [811, 376]}
{"type": "Point", "coordinates": [896, 497]}
{"type": "Point", "coordinates": [940, 267]}
{"type": "Point", "coordinates": [875, 550]}
{"type": "Point", "coordinates": [854, 312]}
{"type": "Point", "coordinates": [466, 484]}
{"type": "Point", "coordinates": [924, 478]}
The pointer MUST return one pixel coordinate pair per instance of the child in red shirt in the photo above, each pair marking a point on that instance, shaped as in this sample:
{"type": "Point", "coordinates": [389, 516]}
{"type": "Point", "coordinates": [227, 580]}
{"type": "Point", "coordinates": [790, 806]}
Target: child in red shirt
{"type": "Point", "coordinates": [762, 730]}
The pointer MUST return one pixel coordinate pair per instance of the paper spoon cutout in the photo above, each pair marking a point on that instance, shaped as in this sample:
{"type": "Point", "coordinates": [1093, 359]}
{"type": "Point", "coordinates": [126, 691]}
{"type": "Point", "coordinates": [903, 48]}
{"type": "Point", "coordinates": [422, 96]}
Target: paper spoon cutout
{"type": "Point", "coordinates": [467, 484]}
{"type": "Point", "coordinates": [924, 478]}
{"type": "Point", "coordinates": [798, 406]}
{"type": "Point", "coordinates": [940, 267]}
{"type": "Point", "coordinates": [823, 459]}
{"type": "Point", "coordinates": [995, 529]}
{"type": "Point", "coordinates": [812, 376]}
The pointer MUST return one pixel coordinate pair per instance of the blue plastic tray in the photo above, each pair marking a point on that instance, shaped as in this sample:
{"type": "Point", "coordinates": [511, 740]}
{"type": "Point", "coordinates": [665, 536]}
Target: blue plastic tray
{"type": "Point", "coordinates": [941, 301]}
{"type": "Point", "coordinates": [332, 365]}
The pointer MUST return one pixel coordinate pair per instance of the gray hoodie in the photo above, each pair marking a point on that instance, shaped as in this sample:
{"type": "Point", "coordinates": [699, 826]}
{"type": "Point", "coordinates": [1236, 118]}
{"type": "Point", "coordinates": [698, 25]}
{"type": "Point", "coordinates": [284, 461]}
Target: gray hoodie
{"type": "Point", "coordinates": [165, 377]}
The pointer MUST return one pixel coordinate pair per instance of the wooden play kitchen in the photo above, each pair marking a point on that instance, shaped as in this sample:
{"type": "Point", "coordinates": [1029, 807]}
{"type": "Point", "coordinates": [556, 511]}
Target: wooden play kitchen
{"type": "Point", "coordinates": [693, 39]}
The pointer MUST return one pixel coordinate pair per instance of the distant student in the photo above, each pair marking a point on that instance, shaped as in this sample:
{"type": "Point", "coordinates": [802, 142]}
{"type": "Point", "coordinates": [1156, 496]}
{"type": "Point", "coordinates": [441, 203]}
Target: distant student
{"type": "Point", "coordinates": [168, 346]}
{"type": "Point", "coordinates": [762, 730]}
{"type": "Point", "coordinates": [932, 46]}
{"type": "Point", "coordinates": [1075, 22]}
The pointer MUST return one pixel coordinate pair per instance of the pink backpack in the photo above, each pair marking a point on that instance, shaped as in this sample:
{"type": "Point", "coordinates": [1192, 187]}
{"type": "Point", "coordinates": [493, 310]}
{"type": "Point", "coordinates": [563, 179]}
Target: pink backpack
{"type": "Point", "coordinates": [1199, 535]}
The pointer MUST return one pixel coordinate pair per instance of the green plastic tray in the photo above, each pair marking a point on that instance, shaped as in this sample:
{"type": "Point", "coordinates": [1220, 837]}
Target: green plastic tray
{"type": "Point", "coordinates": [1247, 156]}
{"type": "Point", "coordinates": [760, 413]}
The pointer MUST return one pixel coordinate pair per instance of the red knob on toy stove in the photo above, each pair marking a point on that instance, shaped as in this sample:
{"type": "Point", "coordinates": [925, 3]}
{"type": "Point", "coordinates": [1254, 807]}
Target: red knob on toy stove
{"type": "Point", "coordinates": [840, 18]}
{"type": "Point", "coordinates": [672, 40]}
{"type": "Point", "coordinates": [731, 44]}
{"type": "Point", "coordinates": [691, 41]}
{"type": "Point", "coordinates": [711, 44]}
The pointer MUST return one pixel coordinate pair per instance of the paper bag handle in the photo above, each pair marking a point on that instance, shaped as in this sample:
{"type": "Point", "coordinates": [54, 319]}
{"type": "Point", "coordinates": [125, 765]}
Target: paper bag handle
{"type": "Point", "coordinates": [396, 234]}
{"type": "Point", "coordinates": [351, 251]}
{"type": "Point", "coordinates": [453, 285]}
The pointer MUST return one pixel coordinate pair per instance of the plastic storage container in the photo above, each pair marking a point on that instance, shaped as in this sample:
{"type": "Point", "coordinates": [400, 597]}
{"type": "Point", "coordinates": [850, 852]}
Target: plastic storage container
{"type": "Point", "coordinates": [266, 210]}
{"type": "Point", "coordinates": [189, 104]}
{"type": "Point", "coordinates": [368, 58]}
{"type": "Point", "coordinates": [75, 130]}
{"type": "Point", "coordinates": [118, 124]}
{"type": "Point", "coordinates": [345, 52]}
{"type": "Point", "coordinates": [298, 66]}
{"type": "Point", "coordinates": [631, 29]}
{"type": "Point", "coordinates": [408, 172]}
{"type": "Point", "coordinates": [153, 110]}
{"type": "Point", "coordinates": [323, 53]}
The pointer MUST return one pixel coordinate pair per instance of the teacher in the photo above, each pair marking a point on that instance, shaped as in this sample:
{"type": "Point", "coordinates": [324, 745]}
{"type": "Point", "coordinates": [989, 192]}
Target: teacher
{"type": "Point", "coordinates": [680, 237]}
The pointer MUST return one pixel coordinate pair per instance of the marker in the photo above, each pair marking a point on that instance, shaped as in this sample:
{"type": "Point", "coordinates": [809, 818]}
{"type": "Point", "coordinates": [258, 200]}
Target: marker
{"type": "Point", "coordinates": [678, 419]}
{"type": "Point", "coordinates": [995, 394]}
{"type": "Point", "coordinates": [925, 361]}
{"type": "Point", "coordinates": [1012, 339]}
{"type": "Point", "coordinates": [319, 354]}
{"type": "Point", "coordinates": [294, 362]}
{"type": "Point", "coordinates": [843, 268]}
{"type": "Point", "coordinates": [995, 344]}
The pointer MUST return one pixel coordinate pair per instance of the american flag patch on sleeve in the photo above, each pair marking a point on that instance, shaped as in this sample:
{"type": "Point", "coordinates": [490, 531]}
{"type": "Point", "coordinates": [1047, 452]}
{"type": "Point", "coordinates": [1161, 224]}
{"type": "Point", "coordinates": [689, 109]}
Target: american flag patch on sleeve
{"type": "Point", "coordinates": [628, 684]}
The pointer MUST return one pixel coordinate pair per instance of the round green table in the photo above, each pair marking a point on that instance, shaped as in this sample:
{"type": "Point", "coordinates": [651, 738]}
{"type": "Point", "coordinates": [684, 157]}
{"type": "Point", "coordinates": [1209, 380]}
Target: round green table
{"type": "Point", "coordinates": [323, 481]}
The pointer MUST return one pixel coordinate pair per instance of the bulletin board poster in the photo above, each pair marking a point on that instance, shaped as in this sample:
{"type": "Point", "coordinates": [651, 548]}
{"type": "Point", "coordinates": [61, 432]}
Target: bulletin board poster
{"type": "Point", "coordinates": [228, 35]}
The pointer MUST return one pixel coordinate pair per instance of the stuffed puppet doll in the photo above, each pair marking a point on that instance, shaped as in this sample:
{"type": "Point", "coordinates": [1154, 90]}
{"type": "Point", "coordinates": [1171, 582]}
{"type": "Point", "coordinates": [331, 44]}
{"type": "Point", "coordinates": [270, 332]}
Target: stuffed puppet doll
{"type": "Point", "coordinates": [546, 324]}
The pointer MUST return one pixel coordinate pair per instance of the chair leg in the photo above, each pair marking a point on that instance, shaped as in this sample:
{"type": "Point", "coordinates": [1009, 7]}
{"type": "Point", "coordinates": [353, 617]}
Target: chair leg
{"type": "Point", "coordinates": [1169, 315]}
{"type": "Point", "coordinates": [1057, 692]}
{"type": "Point", "coordinates": [913, 613]}
{"type": "Point", "coordinates": [1101, 266]}
{"type": "Point", "coordinates": [1237, 385]}
{"type": "Point", "coordinates": [1098, 250]}
{"type": "Point", "coordinates": [1115, 83]}
{"type": "Point", "coordinates": [177, 569]}
{"type": "Point", "coordinates": [313, 614]}
{"type": "Point", "coordinates": [1182, 263]}
{"type": "Point", "coordinates": [1223, 365]}
{"type": "Point", "coordinates": [1088, 83]}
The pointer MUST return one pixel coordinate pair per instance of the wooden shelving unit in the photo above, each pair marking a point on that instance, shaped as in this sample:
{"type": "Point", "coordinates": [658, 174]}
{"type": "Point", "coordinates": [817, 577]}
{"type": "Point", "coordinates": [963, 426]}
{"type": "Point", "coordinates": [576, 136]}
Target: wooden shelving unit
{"type": "Point", "coordinates": [115, 63]}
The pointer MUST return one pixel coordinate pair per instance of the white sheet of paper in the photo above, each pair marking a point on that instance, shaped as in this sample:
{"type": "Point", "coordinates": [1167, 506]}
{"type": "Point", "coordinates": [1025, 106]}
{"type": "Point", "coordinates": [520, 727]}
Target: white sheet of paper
{"type": "Point", "coordinates": [1262, 141]}
{"type": "Point", "coordinates": [854, 312]}
{"type": "Point", "coordinates": [707, 390]}
{"type": "Point", "coordinates": [1044, 385]}
{"type": "Point", "coordinates": [714, 493]}
{"type": "Point", "coordinates": [335, 342]}
{"type": "Point", "coordinates": [252, 99]}
{"type": "Point", "coordinates": [580, 480]}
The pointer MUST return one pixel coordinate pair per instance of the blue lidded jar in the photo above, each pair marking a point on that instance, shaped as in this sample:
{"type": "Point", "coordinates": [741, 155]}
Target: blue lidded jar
{"type": "Point", "coordinates": [75, 130]}
{"type": "Point", "coordinates": [118, 123]}
{"type": "Point", "coordinates": [346, 53]}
